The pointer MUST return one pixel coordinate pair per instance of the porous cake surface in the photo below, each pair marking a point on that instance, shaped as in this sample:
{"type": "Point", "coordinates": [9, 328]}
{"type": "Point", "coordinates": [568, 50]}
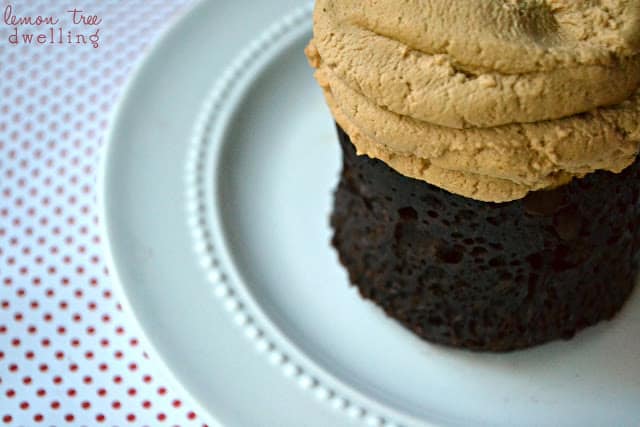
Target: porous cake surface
{"type": "Point", "coordinates": [487, 276]}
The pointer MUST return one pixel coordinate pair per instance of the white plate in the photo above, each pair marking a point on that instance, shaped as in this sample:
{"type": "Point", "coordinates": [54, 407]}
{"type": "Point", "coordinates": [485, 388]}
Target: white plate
{"type": "Point", "coordinates": [215, 201]}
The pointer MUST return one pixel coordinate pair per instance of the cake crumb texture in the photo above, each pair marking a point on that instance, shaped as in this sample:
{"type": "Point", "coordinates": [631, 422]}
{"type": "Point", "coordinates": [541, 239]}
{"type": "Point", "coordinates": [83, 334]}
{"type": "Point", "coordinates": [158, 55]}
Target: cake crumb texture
{"type": "Point", "coordinates": [488, 276]}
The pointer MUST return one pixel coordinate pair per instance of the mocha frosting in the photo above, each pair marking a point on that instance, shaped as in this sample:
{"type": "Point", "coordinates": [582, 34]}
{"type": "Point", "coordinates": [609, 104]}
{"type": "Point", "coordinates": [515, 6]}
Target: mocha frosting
{"type": "Point", "coordinates": [489, 99]}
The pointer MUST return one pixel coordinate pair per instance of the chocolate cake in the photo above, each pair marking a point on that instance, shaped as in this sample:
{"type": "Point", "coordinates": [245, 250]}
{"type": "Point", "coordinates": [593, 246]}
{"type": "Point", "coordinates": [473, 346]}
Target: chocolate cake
{"type": "Point", "coordinates": [487, 276]}
{"type": "Point", "coordinates": [489, 193]}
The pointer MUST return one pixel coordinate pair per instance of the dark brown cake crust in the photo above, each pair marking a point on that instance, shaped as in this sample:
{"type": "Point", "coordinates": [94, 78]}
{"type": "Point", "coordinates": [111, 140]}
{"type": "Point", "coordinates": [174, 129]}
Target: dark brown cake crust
{"type": "Point", "coordinates": [487, 276]}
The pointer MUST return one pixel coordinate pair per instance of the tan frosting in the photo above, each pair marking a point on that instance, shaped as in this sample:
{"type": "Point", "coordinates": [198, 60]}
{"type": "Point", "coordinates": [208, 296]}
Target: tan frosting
{"type": "Point", "coordinates": [489, 99]}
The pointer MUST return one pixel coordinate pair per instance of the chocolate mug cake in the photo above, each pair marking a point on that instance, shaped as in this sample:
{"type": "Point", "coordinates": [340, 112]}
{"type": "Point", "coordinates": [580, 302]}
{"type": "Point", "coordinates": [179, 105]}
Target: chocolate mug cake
{"type": "Point", "coordinates": [489, 191]}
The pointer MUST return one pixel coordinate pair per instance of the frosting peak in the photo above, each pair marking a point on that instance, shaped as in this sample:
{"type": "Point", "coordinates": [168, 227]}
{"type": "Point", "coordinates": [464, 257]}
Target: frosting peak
{"type": "Point", "coordinates": [486, 98]}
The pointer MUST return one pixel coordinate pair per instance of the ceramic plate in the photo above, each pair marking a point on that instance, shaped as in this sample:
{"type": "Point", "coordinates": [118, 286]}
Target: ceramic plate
{"type": "Point", "coordinates": [216, 191]}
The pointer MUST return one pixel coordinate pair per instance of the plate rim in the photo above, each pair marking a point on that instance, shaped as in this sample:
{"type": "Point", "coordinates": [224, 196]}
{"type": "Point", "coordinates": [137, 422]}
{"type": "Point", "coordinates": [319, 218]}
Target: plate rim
{"type": "Point", "coordinates": [116, 117]}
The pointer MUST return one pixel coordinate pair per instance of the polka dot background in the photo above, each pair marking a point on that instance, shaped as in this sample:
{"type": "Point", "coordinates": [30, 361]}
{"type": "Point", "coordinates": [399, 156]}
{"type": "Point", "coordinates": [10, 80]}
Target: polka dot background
{"type": "Point", "coordinates": [68, 355]}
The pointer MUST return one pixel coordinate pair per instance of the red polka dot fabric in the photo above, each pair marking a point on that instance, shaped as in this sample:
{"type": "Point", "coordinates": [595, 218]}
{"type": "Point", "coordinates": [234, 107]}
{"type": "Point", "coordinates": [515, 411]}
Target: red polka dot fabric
{"type": "Point", "coordinates": [68, 355]}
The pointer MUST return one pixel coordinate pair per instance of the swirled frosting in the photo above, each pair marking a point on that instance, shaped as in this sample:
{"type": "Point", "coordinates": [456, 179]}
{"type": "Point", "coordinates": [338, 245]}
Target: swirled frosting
{"type": "Point", "coordinates": [489, 99]}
